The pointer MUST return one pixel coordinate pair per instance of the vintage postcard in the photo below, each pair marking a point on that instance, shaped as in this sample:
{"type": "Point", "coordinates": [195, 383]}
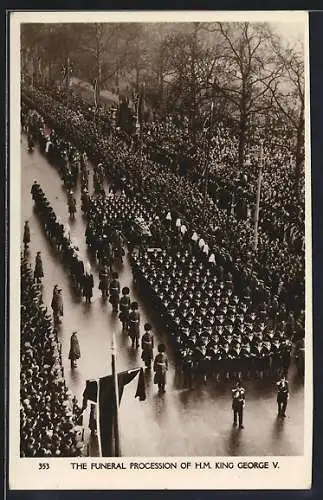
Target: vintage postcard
{"type": "Point", "coordinates": [160, 251]}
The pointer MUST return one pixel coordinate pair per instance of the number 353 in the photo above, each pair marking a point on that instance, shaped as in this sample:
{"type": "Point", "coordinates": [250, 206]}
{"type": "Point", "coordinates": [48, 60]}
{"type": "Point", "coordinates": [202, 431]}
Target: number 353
{"type": "Point", "coordinates": [43, 466]}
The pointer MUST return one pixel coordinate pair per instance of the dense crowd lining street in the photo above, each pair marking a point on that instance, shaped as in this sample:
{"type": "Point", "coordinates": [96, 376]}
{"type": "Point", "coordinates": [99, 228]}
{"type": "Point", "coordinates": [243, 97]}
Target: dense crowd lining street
{"type": "Point", "coordinates": [180, 422]}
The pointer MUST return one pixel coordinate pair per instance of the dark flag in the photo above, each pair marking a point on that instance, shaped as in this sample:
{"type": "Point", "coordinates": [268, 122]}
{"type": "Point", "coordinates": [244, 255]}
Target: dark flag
{"type": "Point", "coordinates": [102, 392]}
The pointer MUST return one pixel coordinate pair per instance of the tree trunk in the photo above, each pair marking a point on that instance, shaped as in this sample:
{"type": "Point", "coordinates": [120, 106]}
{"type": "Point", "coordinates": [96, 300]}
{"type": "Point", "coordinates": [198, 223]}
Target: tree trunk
{"type": "Point", "coordinates": [193, 85]}
{"type": "Point", "coordinates": [98, 37]}
{"type": "Point", "coordinates": [242, 135]}
{"type": "Point", "coordinates": [32, 70]}
{"type": "Point", "coordinates": [299, 157]}
{"type": "Point", "coordinates": [137, 78]}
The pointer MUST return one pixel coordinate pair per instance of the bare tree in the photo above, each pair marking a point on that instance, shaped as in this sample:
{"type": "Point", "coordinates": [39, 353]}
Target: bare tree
{"type": "Point", "coordinates": [250, 67]}
{"type": "Point", "coordinates": [289, 100]}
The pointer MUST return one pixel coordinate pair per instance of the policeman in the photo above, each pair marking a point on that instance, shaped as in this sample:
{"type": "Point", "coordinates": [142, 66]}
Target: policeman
{"type": "Point", "coordinates": [238, 404]}
{"type": "Point", "coordinates": [282, 396]}
{"type": "Point", "coordinates": [104, 282]}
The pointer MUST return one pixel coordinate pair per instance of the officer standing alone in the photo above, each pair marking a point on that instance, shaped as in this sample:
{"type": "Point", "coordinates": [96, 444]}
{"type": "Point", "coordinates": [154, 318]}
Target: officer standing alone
{"type": "Point", "coordinates": [238, 404]}
{"type": "Point", "coordinates": [282, 396]}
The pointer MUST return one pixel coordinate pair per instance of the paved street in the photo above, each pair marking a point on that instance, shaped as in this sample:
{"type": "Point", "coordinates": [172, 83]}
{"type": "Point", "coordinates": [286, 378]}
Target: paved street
{"type": "Point", "coordinates": [180, 422]}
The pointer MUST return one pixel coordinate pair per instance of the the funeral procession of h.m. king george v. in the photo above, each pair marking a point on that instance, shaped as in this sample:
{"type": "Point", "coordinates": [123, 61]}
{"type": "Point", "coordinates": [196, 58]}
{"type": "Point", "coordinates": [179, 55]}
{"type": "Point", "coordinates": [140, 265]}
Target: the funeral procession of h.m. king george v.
{"type": "Point", "coordinates": [162, 240]}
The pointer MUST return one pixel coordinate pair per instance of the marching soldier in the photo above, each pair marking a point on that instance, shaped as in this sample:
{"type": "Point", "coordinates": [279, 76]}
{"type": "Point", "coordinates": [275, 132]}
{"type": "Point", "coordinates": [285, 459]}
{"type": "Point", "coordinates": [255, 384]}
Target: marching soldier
{"type": "Point", "coordinates": [88, 284]}
{"type": "Point", "coordinates": [134, 322]}
{"type": "Point", "coordinates": [114, 290]}
{"type": "Point", "coordinates": [282, 396]}
{"type": "Point", "coordinates": [124, 308]}
{"type": "Point", "coordinates": [104, 282]}
{"type": "Point", "coordinates": [147, 345]}
{"type": "Point", "coordinates": [161, 368]}
{"type": "Point", "coordinates": [238, 404]}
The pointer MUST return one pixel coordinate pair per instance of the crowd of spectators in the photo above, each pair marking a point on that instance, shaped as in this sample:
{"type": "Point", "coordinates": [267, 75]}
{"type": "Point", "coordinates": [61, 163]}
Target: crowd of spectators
{"type": "Point", "coordinates": [164, 198]}
{"type": "Point", "coordinates": [48, 411]}
{"type": "Point", "coordinates": [275, 256]}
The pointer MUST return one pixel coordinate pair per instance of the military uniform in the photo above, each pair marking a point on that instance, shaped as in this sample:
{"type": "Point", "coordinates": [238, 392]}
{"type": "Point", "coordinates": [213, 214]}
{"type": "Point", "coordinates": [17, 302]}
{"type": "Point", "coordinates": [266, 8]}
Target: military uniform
{"type": "Point", "coordinates": [147, 345]}
{"type": "Point", "coordinates": [114, 290]}
{"type": "Point", "coordinates": [124, 310]}
{"type": "Point", "coordinates": [88, 284]}
{"type": "Point", "coordinates": [160, 369]}
{"type": "Point", "coordinates": [238, 403]}
{"type": "Point", "coordinates": [104, 282]}
{"type": "Point", "coordinates": [133, 330]}
{"type": "Point", "coordinates": [282, 396]}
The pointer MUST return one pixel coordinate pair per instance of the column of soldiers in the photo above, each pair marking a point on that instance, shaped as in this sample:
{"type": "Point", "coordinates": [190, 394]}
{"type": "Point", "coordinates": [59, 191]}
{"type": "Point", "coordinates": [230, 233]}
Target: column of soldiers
{"type": "Point", "coordinates": [82, 277]}
{"type": "Point", "coordinates": [198, 348]}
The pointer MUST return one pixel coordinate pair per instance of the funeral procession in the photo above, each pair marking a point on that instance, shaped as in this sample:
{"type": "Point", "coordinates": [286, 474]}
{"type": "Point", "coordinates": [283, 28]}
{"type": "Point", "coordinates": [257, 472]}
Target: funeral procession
{"type": "Point", "coordinates": [162, 239]}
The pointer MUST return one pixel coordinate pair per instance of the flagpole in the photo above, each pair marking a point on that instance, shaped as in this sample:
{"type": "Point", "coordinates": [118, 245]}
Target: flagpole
{"type": "Point", "coordinates": [117, 452]}
{"type": "Point", "coordinates": [261, 161]}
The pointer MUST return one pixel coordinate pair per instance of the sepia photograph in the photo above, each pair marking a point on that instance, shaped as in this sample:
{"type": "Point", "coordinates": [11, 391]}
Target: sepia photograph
{"type": "Point", "coordinates": [162, 226]}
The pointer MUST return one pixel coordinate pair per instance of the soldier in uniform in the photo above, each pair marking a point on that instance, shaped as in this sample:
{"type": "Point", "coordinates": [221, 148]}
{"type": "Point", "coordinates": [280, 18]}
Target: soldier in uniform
{"type": "Point", "coordinates": [124, 308]}
{"type": "Point", "coordinates": [117, 249]}
{"type": "Point", "coordinates": [134, 324]}
{"type": "Point", "coordinates": [161, 368]}
{"type": "Point", "coordinates": [282, 396]}
{"type": "Point", "coordinates": [147, 345]}
{"type": "Point", "coordinates": [104, 282]}
{"type": "Point", "coordinates": [114, 290]}
{"type": "Point", "coordinates": [238, 404]}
